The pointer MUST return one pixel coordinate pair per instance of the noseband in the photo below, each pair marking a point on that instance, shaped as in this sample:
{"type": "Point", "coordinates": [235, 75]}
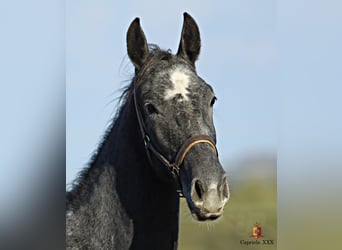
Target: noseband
{"type": "Point", "coordinates": [173, 166]}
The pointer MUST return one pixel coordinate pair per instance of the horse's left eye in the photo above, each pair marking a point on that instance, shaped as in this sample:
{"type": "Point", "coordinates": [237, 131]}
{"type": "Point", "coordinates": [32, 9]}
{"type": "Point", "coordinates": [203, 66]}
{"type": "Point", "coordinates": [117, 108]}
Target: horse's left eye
{"type": "Point", "coordinates": [212, 102]}
{"type": "Point", "coordinates": [150, 109]}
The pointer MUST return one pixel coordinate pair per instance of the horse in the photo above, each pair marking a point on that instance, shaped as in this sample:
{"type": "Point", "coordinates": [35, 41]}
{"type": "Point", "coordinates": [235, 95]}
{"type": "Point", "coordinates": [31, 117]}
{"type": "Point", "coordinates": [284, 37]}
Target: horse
{"type": "Point", "coordinates": [160, 146]}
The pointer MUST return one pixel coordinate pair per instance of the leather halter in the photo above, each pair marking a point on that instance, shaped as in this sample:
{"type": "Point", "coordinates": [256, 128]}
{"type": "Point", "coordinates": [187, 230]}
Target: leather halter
{"type": "Point", "coordinates": [173, 166]}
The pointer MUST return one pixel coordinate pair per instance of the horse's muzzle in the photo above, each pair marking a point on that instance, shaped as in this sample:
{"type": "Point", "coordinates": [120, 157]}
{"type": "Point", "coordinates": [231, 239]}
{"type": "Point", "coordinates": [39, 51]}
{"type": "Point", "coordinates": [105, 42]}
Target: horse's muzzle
{"type": "Point", "coordinates": [209, 198]}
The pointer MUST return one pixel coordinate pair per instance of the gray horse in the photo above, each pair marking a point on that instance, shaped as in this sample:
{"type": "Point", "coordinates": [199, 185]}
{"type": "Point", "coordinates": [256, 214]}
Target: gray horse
{"type": "Point", "coordinates": [160, 146]}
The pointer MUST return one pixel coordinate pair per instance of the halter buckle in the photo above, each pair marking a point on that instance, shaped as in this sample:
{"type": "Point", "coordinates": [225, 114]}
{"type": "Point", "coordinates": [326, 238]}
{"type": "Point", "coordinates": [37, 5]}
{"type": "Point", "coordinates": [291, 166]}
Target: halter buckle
{"type": "Point", "coordinates": [174, 169]}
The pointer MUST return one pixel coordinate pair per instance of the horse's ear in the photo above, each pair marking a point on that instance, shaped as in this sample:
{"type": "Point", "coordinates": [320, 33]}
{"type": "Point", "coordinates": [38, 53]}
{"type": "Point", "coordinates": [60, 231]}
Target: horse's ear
{"type": "Point", "coordinates": [190, 43]}
{"type": "Point", "coordinates": [137, 46]}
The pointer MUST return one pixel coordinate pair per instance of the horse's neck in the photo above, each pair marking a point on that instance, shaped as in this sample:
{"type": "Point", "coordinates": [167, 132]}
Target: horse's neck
{"type": "Point", "coordinates": [126, 191]}
{"type": "Point", "coordinates": [151, 204]}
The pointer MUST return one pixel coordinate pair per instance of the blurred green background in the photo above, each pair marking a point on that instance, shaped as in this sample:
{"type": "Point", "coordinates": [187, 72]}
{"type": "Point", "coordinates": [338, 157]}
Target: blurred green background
{"type": "Point", "coordinates": [253, 187]}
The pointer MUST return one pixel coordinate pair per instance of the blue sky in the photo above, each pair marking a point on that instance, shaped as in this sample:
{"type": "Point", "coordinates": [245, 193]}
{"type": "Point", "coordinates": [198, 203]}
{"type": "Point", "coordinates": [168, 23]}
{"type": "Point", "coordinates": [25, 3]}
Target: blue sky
{"type": "Point", "coordinates": [238, 58]}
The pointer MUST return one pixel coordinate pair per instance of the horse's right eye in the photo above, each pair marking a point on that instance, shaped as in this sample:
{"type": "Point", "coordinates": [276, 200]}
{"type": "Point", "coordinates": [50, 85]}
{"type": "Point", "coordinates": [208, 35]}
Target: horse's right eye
{"type": "Point", "coordinates": [150, 109]}
{"type": "Point", "coordinates": [212, 102]}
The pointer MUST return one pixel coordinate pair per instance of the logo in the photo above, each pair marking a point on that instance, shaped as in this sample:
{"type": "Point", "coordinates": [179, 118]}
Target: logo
{"type": "Point", "coordinates": [256, 233]}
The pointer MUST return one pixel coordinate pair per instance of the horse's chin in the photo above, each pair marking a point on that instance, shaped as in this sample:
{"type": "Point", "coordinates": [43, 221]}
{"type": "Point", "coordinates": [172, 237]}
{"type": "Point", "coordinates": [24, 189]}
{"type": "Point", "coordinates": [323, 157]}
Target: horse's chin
{"type": "Point", "coordinates": [201, 216]}
{"type": "Point", "coordinates": [205, 217]}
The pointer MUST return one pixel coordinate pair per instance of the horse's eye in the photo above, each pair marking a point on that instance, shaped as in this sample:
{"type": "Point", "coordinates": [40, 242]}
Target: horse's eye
{"type": "Point", "coordinates": [150, 109]}
{"type": "Point", "coordinates": [212, 102]}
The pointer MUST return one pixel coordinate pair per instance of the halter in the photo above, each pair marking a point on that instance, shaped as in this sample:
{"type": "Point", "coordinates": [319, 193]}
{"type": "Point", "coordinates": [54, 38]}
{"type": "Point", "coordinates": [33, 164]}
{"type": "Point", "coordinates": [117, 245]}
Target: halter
{"type": "Point", "coordinates": [173, 166]}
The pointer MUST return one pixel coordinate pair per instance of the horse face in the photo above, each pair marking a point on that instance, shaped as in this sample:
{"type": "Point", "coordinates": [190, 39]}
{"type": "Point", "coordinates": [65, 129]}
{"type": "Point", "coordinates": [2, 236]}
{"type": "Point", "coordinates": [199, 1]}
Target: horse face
{"type": "Point", "coordinates": [177, 104]}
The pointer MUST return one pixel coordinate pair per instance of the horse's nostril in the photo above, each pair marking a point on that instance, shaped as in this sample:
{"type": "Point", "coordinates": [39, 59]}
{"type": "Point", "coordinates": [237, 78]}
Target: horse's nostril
{"type": "Point", "coordinates": [225, 188]}
{"type": "Point", "coordinates": [198, 190]}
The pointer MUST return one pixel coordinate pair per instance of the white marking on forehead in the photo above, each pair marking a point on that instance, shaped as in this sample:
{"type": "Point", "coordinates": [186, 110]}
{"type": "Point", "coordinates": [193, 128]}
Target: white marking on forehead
{"type": "Point", "coordinates": [180, 81]}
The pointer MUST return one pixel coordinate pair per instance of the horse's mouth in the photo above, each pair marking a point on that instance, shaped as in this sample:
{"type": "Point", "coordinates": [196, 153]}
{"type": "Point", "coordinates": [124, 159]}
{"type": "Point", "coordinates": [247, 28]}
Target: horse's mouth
{"type": "Point", "coordinates": [206, 217]}
{"type": "Point", "coordinates": [200, 215]}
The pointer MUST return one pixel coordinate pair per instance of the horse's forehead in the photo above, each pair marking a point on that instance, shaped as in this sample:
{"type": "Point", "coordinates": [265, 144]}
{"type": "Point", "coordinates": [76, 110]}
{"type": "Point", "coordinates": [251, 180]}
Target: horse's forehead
{"type": "Point", "coordinates": [180, 78]}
